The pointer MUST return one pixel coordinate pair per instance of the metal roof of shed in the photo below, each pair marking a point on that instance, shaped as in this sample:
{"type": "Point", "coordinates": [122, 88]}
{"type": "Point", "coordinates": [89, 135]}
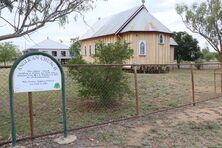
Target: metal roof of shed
{"type": "Point", "coordinates": [49, 44]}
{"type": "Point", "coordinates": [135, 19]}
{"type": "Point", "coordinates": [173, 42]}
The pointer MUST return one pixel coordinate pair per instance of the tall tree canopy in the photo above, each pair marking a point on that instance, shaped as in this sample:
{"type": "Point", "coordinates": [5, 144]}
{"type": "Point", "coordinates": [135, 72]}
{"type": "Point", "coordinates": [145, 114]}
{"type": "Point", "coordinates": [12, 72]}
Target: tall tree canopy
{"type": "Point", "coordinates": [8, 51]}
{"type": "Point", "coordinates": [26, 16]}
{"type": "Point", "coordinates": [187, 49]}
{"type": "Point", "coordinates": [205, 19]}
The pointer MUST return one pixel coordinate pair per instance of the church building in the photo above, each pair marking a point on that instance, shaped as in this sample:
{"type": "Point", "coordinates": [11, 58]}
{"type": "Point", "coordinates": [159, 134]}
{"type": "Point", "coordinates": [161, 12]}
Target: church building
{"type": "Point", "coordinates": [151, 41]}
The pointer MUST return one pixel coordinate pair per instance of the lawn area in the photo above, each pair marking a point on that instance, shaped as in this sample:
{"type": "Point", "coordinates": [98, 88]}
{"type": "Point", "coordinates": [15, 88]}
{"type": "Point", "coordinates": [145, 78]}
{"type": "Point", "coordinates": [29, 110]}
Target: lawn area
{"type": "Point", "coordinates": [199, 126]}
{"type": "Point", "coordinates": [156, 91]}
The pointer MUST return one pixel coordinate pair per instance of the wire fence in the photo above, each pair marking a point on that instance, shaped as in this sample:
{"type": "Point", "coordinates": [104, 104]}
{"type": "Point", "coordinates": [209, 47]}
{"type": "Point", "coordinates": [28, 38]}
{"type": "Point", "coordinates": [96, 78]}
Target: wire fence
{"type": "Point", "coordinates": [106, 99]}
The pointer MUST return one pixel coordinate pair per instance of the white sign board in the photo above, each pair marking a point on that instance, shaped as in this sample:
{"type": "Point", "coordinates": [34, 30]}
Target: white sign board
{"type": "Point", "coordinates": [37, 73]}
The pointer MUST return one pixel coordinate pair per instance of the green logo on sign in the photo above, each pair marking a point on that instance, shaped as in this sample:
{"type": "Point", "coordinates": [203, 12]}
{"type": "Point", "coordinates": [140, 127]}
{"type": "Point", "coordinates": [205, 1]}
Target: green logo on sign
{"type": "Point", "coordinates": [57, 85]}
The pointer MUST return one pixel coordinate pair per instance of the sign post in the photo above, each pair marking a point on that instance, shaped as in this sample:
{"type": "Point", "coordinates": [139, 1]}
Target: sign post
{"type": "Point", "coordinates": [31, 115]}
{"type": "Point", "coordinates": [35, 72]}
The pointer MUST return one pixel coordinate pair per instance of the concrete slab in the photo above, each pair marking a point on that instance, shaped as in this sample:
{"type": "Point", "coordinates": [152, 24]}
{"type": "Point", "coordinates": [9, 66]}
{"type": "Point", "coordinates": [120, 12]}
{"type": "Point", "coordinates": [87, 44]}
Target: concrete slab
{"type": "Point", "coordinates": [67, 140]}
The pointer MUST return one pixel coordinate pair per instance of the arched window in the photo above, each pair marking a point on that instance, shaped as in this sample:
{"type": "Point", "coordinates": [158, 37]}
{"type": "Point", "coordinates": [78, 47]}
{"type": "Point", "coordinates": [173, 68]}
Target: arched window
{"type": "Point", "coordinates": [161, 39]}
{"type": "Point", "coordinates": [142, 48]}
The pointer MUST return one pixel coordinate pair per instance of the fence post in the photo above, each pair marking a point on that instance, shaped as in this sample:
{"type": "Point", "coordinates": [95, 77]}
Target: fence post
{"type": "Point", "coordinates": [31, 114]}
{"type": "Point", "coordinates": [136, 90]}
{"type": "Point", "coordinates": [220, 81]}
{"type": "Point", "coordinates": [215, 84]}
{"type": "Point", "coordinates": [192, 80]}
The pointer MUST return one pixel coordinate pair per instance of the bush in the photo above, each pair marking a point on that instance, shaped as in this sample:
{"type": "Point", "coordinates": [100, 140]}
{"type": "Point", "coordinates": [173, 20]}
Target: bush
{"type": "Point", "coordinates": [104, 84]}
{"type": "Point", "coordinates": [199, 64]}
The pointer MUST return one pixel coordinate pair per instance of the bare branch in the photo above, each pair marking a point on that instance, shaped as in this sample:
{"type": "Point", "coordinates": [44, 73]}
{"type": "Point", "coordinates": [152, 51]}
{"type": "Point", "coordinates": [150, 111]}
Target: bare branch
{"type": "Point", "coordinates": [35, 14]}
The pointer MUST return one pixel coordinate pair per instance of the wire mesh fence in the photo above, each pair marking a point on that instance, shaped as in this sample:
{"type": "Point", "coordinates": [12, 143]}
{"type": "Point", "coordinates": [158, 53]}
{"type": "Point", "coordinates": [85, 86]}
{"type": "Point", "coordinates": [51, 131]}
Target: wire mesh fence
{"type": "Point", "coordinates": [161, 91]}
{"type": "Point", "coordinates": [103, 93]}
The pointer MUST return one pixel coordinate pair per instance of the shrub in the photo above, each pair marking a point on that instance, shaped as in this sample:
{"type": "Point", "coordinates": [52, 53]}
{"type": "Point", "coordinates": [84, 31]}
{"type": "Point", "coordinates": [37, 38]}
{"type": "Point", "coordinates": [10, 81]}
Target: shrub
{"type": "Point", "coordinates": [199, 64]}
{"type": "Point", "coordinates": [104, 84]}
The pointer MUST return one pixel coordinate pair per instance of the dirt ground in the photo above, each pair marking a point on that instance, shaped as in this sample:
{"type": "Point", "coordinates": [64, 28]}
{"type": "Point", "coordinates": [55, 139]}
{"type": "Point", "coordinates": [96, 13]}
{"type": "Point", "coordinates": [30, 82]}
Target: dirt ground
{"type": "Point", "coordinates": [187, 127]}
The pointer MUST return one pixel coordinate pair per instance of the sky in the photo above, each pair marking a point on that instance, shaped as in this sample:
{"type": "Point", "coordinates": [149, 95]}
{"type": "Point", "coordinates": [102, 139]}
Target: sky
{"type": "Point", "coordinates": [163, 10]}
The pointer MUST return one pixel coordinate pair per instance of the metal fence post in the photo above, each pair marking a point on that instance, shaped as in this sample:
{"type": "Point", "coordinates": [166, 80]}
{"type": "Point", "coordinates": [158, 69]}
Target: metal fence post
{"type": "Point", "coordinates": [136, 90]}
{"type": "Point", "coordinates": [192, 80]}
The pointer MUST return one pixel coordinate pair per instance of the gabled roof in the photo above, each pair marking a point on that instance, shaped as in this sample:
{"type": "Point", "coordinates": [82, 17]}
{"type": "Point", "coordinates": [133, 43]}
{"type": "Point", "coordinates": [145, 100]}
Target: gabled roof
{"type": "Point", "coordinates": [49, 44]}
{"type": "Point", "coordinates": [173, 42]}
{"type": "Point", "coordinates": [135, 19]}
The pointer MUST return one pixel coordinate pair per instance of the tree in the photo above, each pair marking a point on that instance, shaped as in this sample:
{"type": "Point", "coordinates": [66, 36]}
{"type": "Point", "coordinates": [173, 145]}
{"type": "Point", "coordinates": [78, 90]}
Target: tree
{"type": "Point", "coordinates": [8, 52]}
{"type": "Point", "coordinates": [187, 49]}
{"type": "Point", "coordinates": [207, 55]}
{"type": "Point", "coordinates": [30, 15]}
{"type": "Point", "coordinates": [104, 84]}
{"type": "Point", "coordinates": [75, 47]}
{"type": "Point", "coordinates": [204, 19]}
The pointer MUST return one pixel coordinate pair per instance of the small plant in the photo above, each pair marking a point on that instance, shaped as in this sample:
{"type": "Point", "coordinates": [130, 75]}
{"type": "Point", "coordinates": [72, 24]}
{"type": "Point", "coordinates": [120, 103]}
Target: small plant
{"type": "Point", "coordinates": [199, 64]}
{"type": "Point", "coordinates": [103, 84]}
{"type": "Point", "coordinates": [172, 103]}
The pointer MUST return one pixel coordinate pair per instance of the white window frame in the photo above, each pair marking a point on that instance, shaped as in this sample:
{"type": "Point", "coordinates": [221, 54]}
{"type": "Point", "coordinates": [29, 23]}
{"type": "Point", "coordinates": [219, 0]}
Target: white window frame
{"type": "Point", "coordinates": [85, 51]}
{"type": "Point", "coordinates": [54, 51]}
{"type": "Point", "coordinates": [90, 50]}
{"type": "Point", "coordinates": [93, 50]}
{"type": "Point", "coordinates": [145, 48]}
{"type": "Point", "coordinates": [62, 54]}
{"type": "Point", "coordinates": [163, 39]}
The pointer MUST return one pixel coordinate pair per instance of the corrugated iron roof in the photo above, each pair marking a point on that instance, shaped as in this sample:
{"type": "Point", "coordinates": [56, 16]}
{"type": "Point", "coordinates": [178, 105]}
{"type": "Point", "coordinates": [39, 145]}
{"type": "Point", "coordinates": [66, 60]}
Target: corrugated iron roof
{"type": "Point", "coordinates": [49, 44]}
{"type": "Point", "coordinates": [173, 42]}
{"type": "Point", "coordinates": [135, 19]}
{"type": "Point", "coordinates": [144, 21]}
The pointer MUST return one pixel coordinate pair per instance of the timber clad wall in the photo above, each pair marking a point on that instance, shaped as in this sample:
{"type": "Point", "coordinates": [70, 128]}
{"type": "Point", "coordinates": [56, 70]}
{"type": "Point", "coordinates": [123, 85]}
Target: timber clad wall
{"type": "Point", "coordinates": [85, 44]}
{"type": "Point", "coordinates": [171, 54]}
{"type": "Point", "coordinates": [155, 53]}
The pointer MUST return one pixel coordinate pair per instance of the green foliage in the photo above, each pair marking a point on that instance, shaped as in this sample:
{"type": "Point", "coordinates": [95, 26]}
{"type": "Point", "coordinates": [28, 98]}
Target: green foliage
{"type": "Point", "coordinates": [8, 52]}
{"type": "Point", "coordinates": [75, 47]}
{"type": "Point", "coordinates": [116, 53]}
{"type": "Point", "coordinates": [207, 55]}
{"type": "Point", "coordinates": [104, 84]}
{"type": "Point", "coordinates": [204, 19]}
{"type": "Point", "coordinates": [216, 55]}
{"type": "Point", "coordinates": [199, 63]}
{"type": "Point", "coordinates": [187, 49]}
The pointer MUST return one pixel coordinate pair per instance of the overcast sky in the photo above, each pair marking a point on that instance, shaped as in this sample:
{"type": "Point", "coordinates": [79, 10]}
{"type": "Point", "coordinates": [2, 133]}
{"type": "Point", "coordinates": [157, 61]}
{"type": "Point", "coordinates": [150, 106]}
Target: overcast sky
{"type": "Point", "coordinates": [163, 10]}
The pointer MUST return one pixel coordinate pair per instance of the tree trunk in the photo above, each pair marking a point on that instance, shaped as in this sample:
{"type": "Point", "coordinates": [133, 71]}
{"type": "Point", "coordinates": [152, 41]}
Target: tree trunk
{"type": "Point", "coordinates": [4, 63]}
{"type": "Point", "coordinates": [220, 56]}
{"type": "Point", "coordinates": [178, 65]}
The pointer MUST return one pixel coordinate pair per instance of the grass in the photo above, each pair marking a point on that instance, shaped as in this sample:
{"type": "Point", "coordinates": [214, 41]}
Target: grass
{"type": "Point", "coordinates": [186, 134]}
{"type": "Point", "coordinates": [156, 91]}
